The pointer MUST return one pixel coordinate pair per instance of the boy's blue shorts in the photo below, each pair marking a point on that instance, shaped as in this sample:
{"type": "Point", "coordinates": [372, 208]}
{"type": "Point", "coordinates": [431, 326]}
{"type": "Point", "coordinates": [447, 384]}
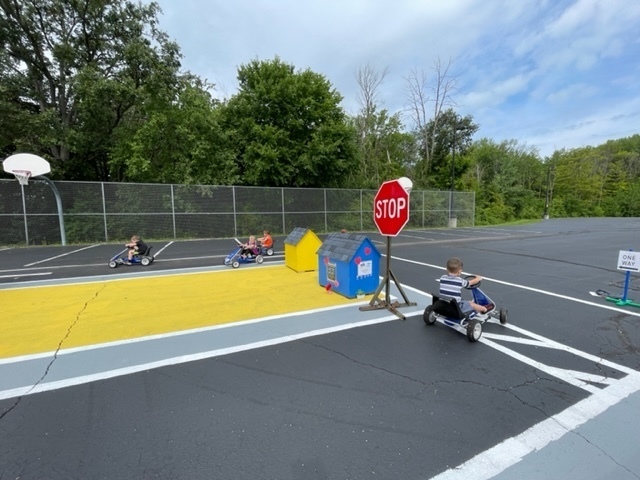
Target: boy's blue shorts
{"type": "Point", "coordinates": [465, 306]}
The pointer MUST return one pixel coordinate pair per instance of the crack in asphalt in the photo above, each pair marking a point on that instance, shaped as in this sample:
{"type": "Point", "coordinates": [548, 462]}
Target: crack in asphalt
{"type": "Point", "coordinates": [55, 354]}
{"type": "Point", "coordinates": [632, 473]}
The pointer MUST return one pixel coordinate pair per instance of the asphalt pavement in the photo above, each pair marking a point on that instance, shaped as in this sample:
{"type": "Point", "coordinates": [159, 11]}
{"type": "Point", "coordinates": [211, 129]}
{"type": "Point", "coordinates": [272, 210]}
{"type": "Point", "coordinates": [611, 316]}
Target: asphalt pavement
{"type": "Point", "coordinates": [338, 393]}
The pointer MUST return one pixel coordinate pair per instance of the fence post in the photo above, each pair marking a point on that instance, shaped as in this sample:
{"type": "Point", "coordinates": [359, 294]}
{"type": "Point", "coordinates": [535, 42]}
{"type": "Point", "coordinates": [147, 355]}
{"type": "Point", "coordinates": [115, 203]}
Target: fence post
{"type": "Point", "coordinates": [361, 213]}
{"type": "Point", "coordinates": [473, 210]}
{"type": "Point", "coordinates": [104, 213]}
{"type": "Point", "coordinates": [235, 216]}
{"type": "Point", "coordinates": [173, 212]}
{"type": "Point", "coordinates": [326, 226]}
{"type": "Point", "coordinates": [284, 224]}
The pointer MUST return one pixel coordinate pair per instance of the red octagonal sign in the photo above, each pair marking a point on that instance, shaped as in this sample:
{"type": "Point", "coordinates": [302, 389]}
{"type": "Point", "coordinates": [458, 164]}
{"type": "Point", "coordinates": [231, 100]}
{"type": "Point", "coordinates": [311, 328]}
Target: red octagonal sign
{"type": "Point", "coordinates": [391, 208]}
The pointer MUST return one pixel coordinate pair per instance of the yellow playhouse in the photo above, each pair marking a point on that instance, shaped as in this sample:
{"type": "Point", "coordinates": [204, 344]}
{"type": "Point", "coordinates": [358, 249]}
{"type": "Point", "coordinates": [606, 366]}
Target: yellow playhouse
{"type": "Point", "coordinates": [300, 249]}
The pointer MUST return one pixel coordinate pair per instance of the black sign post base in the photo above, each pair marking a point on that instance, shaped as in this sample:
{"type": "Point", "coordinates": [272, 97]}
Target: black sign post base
{"type": "Point", "coordinates": [377, 303]}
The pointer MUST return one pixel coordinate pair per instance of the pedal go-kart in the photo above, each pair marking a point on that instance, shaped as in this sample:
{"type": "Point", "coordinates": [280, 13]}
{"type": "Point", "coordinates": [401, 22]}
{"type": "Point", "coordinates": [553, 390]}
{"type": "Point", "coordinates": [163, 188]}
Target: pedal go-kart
{"type": "Point", "coordinates": [268, 251]}
{"type": "Point", "coordinates": [235, 258]}
{"type": "Point", "coordinates": [449, 313]}
{"type": "Point", "coordinates": [143, 259]}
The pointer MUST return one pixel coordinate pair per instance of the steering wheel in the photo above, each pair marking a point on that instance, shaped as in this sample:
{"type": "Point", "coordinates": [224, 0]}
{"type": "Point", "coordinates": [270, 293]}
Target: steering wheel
{"type": "Point", "coordinates": [475, 285]}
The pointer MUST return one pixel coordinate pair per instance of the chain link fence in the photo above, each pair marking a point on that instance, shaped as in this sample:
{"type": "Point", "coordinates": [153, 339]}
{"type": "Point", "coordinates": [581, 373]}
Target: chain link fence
{"type": "Point", "coordinates": [95, 212]}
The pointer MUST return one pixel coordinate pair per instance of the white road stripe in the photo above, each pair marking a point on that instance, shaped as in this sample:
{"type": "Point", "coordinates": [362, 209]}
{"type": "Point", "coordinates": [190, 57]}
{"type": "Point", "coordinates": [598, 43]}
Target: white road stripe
{"type": "Point", "coordinates": [45, 387]}
{"type": "Point", "coordinates": [18, 275]}
{"type": "Point", "coordinates": [162, 249]}
{"type": "Point", "coordinates": [531, 289]}
{"type": "Point", "coordinates": [61, 255]}
{"type": "Point", "coordinates": [491, 462]}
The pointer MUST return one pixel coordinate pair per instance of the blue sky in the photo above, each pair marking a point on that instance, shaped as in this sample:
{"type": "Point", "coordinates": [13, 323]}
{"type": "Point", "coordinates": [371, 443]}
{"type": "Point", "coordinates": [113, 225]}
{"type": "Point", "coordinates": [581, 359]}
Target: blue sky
{"type": "Point", "coordinates": [549, 74]}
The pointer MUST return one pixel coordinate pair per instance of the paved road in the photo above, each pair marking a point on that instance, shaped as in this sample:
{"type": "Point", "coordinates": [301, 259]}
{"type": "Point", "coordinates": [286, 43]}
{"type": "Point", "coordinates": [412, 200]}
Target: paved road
{"type": "Point", "coordinates": [552, 395]}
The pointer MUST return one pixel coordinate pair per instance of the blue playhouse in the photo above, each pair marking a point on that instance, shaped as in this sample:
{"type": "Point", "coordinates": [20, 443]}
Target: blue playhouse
{"type": "Point", "coordinates": [349, 263]}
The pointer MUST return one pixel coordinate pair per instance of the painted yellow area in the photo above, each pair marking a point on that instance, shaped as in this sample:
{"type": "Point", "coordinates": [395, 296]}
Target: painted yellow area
{"type": "Point", "coordinates": [36, 320]}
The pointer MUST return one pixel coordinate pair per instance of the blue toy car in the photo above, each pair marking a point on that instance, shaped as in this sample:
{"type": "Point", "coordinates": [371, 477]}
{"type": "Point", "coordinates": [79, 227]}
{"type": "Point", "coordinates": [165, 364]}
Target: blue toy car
{"type": "Point", "coordinates": [142, 258]}
{"type": "Point", "coordinates": [448, 312]}
{"type": "Point", "coordinates": [235, 258]}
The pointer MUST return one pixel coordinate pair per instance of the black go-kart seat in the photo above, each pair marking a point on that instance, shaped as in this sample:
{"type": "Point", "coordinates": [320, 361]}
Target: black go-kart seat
{"type": "Point", "coordinates": [448, 307]}
{"type": "Point", "coordinates": [146, 253]}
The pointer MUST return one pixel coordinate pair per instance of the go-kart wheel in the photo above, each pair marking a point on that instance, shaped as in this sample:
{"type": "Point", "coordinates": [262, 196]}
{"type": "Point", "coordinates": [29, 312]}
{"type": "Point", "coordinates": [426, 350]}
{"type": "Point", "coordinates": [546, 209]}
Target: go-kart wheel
{"type": "Point", "coordinates": [269, 251]}
{"type": "Point", "coordinates": [112, 264]}
{"type": "Point", "coordinates": [474, 330]}
{"type": "Point", "coordinates": [235, 264]}
{"type": "Point", "coordinates": [503, 316]}
{"type": "Point", "coordinates": [429, 315]}
{"type": "Point", "coordinates": [145, 261]}
{"type": "Point", "coordinates": [259, 259]}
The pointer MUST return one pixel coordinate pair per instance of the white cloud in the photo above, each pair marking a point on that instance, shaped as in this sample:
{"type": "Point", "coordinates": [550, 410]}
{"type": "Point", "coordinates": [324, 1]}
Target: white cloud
{"type": "Point", "coordinates": [527, 69]}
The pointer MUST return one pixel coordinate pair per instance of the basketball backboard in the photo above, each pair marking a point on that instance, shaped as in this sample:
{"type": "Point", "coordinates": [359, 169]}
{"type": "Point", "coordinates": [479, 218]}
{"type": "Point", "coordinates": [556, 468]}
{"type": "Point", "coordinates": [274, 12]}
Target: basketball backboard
{"type": "Point", "coordinates": [25, 166]}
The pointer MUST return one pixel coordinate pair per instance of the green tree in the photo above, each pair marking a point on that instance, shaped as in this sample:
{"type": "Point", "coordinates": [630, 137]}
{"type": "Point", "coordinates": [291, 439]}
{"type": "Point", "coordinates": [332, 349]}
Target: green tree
{"type": "Point", "coordinates": [71, 72]}
{"type": "Point", "coordinates": [179, 141]}
{"type": "Point", "coordinates": [288, 128]}
{"type": "Point", "coordinates": [510, 180]}
{"type": "Point", "coordinates": [451, 136]}
{"type": "Point", "coordinates": [384, 149]}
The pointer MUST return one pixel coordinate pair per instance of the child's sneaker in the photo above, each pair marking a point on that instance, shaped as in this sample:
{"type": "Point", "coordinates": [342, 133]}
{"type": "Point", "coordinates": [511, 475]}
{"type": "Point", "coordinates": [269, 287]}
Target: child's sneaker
{"type": "Point", "coordinates": [128, 263]}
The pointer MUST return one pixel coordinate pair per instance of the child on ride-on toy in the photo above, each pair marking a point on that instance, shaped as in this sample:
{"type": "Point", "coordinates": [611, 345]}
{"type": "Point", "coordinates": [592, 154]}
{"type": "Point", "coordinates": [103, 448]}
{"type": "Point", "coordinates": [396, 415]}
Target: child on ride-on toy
{"type": "Point", "coordinates": [135, 246]}
{"type": "Point", "coordinates": [249, 248]}
{"type": "Point", "coordinates": [266, 241]}
{"type": "Point", "coordinates": [451, 285]}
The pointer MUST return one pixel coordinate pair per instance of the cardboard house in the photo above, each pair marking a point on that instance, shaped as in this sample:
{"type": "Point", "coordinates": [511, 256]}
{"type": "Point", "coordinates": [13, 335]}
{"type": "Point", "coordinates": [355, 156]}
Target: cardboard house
{"type": "Point", "coordinates": [349, 263]}
{"type": "Point", "coordinates": [300, 249]}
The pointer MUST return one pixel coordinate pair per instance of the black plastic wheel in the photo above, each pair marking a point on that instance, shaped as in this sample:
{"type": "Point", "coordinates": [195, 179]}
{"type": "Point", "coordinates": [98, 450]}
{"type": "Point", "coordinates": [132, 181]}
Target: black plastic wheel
{"type": "Point", "coordinates": [474, 330]}
{"type": "Point", "coordinates": [429, 315]}
{"type": "Point", "coordinates": [503, 316]}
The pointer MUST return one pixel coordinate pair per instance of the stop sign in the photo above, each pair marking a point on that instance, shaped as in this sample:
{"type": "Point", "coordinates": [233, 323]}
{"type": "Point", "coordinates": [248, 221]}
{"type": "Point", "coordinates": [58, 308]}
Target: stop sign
{"type": "Point", "coordinates": [391, 208]}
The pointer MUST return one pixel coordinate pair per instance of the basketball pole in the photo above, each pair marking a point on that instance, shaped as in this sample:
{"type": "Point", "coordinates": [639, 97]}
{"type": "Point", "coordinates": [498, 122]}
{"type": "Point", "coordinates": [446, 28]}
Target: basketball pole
{"type": "Point", "coordinates": [56, 194]}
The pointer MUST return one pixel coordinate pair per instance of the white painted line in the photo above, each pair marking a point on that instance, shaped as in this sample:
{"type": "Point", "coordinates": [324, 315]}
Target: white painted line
{"type": "Point", "coordinates": [131, 276]}
{"type": "Point", "coordinates": [491, 462]}
{"type": "Point", "coordinates": [162, 249]}
{"type": "Point", "coordinates": [26, 275]}
{"type": "Point", "coordinates": [415, 236]}
{"type": "Point", "coordinates": [495, 232]}
{"type": "Point", "coordinates": [45, 387]}
{"type": "Point", "coordinates": [564, 375]}
{"type": "Point", "coordinates": [548, 343]}
{"type": "Point", "coordinates": [61, 255]}
{"type": "Point", "coordinates": [67, 351]}
{"type": "Point", "coordinates": [531, 289]}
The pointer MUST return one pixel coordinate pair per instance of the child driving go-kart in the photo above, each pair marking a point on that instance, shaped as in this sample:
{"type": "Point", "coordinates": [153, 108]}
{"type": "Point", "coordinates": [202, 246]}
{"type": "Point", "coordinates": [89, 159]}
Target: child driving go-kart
{"type": "Point", "coordinates": [450, 308]}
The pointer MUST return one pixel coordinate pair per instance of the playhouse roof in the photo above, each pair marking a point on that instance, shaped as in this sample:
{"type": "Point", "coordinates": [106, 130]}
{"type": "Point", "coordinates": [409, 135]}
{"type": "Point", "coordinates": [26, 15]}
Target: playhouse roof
{"type": "Point", "coordinates": [296, 235]}
{"type": "Point", "coordinates": [341, 246]}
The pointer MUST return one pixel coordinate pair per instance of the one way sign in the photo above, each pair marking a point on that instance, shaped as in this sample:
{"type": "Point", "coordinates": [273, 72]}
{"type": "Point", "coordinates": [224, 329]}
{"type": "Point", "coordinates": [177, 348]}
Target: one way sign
{"type": "Point", "coordinates": [629, 261]}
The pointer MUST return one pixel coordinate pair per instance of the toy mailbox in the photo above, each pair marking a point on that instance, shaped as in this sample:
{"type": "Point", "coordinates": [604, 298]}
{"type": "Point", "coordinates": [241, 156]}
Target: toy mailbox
{"type": "Point", "coordinates": [349, 264]}
{"type": "Point", "coordinates": [300, 250]}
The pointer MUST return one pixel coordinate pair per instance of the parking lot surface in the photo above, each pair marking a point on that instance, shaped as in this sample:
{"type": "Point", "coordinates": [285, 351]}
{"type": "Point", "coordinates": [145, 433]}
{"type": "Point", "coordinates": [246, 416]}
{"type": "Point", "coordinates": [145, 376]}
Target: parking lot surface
{"type": "Point", "coordinates": [328, 391]}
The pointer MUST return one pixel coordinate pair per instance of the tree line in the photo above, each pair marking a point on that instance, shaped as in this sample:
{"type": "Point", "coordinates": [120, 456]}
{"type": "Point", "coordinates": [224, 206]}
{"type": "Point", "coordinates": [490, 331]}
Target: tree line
{"type": "Point", "coordinates": [97, 88]}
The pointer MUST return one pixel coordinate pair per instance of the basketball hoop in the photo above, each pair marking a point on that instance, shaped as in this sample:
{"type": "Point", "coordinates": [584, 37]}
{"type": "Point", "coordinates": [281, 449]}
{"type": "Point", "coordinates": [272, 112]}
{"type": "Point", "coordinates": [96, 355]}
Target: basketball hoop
{"type": "Point", "coordinates": [22, 176]}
